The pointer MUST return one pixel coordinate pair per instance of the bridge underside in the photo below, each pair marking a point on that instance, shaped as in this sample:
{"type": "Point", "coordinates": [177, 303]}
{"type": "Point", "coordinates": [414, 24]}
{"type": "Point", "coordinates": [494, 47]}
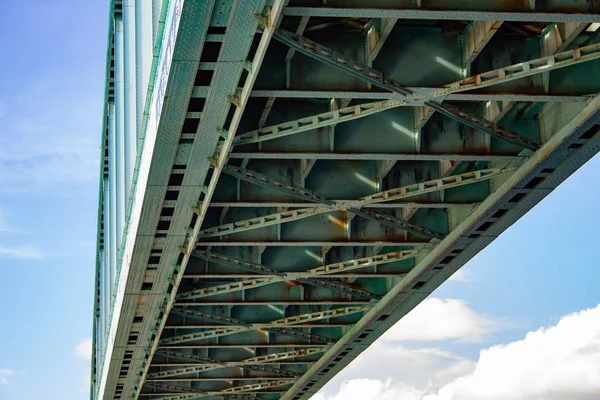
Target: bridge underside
{"type": "Point", "coordinates": [318, 172]}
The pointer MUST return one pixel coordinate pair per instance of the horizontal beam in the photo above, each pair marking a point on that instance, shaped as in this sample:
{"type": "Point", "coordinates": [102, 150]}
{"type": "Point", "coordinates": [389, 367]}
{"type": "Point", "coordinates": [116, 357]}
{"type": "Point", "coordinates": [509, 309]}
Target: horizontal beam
{"type": "Point", "coordinates": [306, 194]}
{"type": "Point", "coordinates": [377, 156]}
{"type": "Point", "coordinates": [295, 215]}
{"type": "Point", "coordinates": [191, 364]}
{"type": "Point", "coordinates": [179, 395]}
{"type": "Point", "coordinates": [268, 204]}
{"type": "Point", "coordinates": [238, 345]}
{"type": "Point", "coordinates": [496, 11]}
{"type": "Point", "coordinates": [268, 327]}
{"type": "Point", "coordinates": [218, 379]}
{"type": "Point", "coordinates": [249, 276]}
{"type": "Point", "coordinates": [260, 359]}
{"type": "Point", "coordinates": [281, 322]}
{"type": "Point", "coordinates": [339, 267]}
{"type": "Point", "coordinates": [269, 275]}
{"type": "Point", "coordinates": [373, 243]}
{"type": "Point", "coordinates": [247, 303]}
{"type": "Point", "coordinates": [353, 206]}
{"type": "Point", "coordinates": [372, 76]}
{"type": "Point", "coordinates": [362, 95]}
{"type": "Point", "coordinates": [213, 326]}
{"type": "Point", "coordinates": [188, 393]}
{"type": "Point", "coordinates": [207, 364]}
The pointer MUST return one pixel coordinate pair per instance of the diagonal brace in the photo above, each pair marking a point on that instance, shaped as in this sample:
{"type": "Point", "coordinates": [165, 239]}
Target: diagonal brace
{"type": "Point", "coordinates": [279, 276]}
{"type": "Point", "coordinates": [306, 194]}
{"type": "Point", "coordinates": [377, 78]}
{"type": "Point", "coordinates": [282, 322]}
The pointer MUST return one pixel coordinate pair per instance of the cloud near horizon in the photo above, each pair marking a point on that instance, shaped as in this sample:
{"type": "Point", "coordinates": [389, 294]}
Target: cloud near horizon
{"type": "Point", "coordinates": [438, 319]}
{"type": "Point", "coordinates": [559, 362]}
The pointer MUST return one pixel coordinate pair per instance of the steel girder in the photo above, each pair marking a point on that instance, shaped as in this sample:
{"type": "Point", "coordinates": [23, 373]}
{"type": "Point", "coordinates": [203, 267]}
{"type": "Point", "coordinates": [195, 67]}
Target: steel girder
{"type": "Point", "coordinates": [345, 201]}
{"type": "Point", "coordinates": [580, 11]}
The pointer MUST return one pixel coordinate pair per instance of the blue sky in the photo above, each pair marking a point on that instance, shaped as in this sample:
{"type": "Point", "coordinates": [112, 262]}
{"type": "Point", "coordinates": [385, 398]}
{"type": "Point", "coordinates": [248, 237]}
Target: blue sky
{"type": "Point", "coordinates": [51, 94]}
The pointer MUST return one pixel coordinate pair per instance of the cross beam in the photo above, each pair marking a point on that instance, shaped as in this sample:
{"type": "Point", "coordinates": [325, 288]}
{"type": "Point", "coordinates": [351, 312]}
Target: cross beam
{"type": "Point", "coordinates": [376, 78]}
{"type": "Point", "coordinates": [531, 97]}
{"type": "Point", "coordinates": [238, 323]}
{"type": "Point", "coordinates": [273, 276]}
{"type": "Point", "coordinates": [268, 358]}
{"type": "Point", "coordinates": [306, 194]}
{"type": "Point", "coordinates": [377, 156]}
{"type": "Point", "coordinates": [308, 243]}
{"type": "Point", "coordinates": [495, 11]}
{"type": "Point", "coordinates": [206, 363]}
{"type": "Point", "coordinates": [482, 80]}
{"type": "Point", "coordinates": [353, 206]}
{"type": "Point", "coordinates": [328, 269]}
{"type": "Point", "coordinates": [293, 320]}
{"type": "Point", "coordinates": [189, 393]}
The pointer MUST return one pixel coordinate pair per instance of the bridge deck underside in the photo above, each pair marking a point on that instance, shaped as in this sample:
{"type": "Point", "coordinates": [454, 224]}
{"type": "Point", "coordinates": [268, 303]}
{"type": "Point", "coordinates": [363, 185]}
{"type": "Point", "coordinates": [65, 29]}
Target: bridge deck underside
{"type": "Point", "coordinates": [333, 200]}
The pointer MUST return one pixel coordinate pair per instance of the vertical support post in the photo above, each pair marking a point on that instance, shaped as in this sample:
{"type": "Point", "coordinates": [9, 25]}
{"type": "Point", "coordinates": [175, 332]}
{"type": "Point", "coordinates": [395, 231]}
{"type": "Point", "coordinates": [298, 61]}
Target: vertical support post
{"type": "Point", "coordinates": [557, 40]}
{"type": "Point", "coordinates": [107, 250]}
{"type": "Point", "coordinates": [119, 154]}
{"type": "Point", "coordinates": [333, 106]}
{"type": "Point", "coordinates": [421, 116]}
{"type": "Point", "coordinates": [129, 82]}
{"type": "Point", "coordinates": [156, 11]}
{"type": "Point", "coordinates": [102, 301]}
{"type": "Point", "coordinates": [495, 110]}
{"type": "Point", "coordinates": [477, 35]}
{"type": "Point", "coordinates": [112, 189]}
{"type": "Point", "coordinates": [143, 53]}
{"type": "Point", "coordinates": [376, 36]}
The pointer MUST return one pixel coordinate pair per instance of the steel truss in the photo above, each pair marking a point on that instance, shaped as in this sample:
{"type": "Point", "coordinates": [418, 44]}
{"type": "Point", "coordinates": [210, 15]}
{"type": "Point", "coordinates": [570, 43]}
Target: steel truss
{"type": "Point", "coordinates": [180, 325]}
{"type": "Point", "coordinates": [376, 78]}
{"type": "Point", "coordinates": [352, 206]}
{"type": "Point", "coordinates": [410, 97]}
{"type": "Point", "coordinates": [189, 393]}
{"type": "Point", "coordinates": [501, 12]}
{"type": "Point", "coordinates": [273, 326]}
{"type": "Point", "coordinates": [259, 363]}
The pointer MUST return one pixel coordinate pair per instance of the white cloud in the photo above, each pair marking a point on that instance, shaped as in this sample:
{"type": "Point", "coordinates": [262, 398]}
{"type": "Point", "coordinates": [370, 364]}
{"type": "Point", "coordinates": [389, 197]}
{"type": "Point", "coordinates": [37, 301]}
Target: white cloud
{"type": "Point", "coordinates": [560, 362]}
{"type": "Point", "coordinates": [433, 320]}
{"type": "Point", "coordinates": [20, 252]}
{"type": "Point", "coordinates": [373, 389]}
{"type": "Point", "coordinates": [427, 367]}
{"type": "Point", "coordinates": [441, 319]}
{"type": "Point", "coordinates": [5, 375]}
{"type": "Point", "coordinates": [84, 349]}
{"type": "Point", "coordinates": [462, 275]}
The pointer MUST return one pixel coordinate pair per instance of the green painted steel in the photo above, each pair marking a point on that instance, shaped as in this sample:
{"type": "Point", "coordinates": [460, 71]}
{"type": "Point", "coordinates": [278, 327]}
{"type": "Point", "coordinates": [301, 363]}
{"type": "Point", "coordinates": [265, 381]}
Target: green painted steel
{"type": "Point", "coordinates": [304, 176]}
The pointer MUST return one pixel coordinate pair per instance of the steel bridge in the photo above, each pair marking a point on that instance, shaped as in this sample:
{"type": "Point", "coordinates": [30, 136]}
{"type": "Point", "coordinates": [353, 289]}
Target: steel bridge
{"type": "Point", "coordinates": [283, 180]}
